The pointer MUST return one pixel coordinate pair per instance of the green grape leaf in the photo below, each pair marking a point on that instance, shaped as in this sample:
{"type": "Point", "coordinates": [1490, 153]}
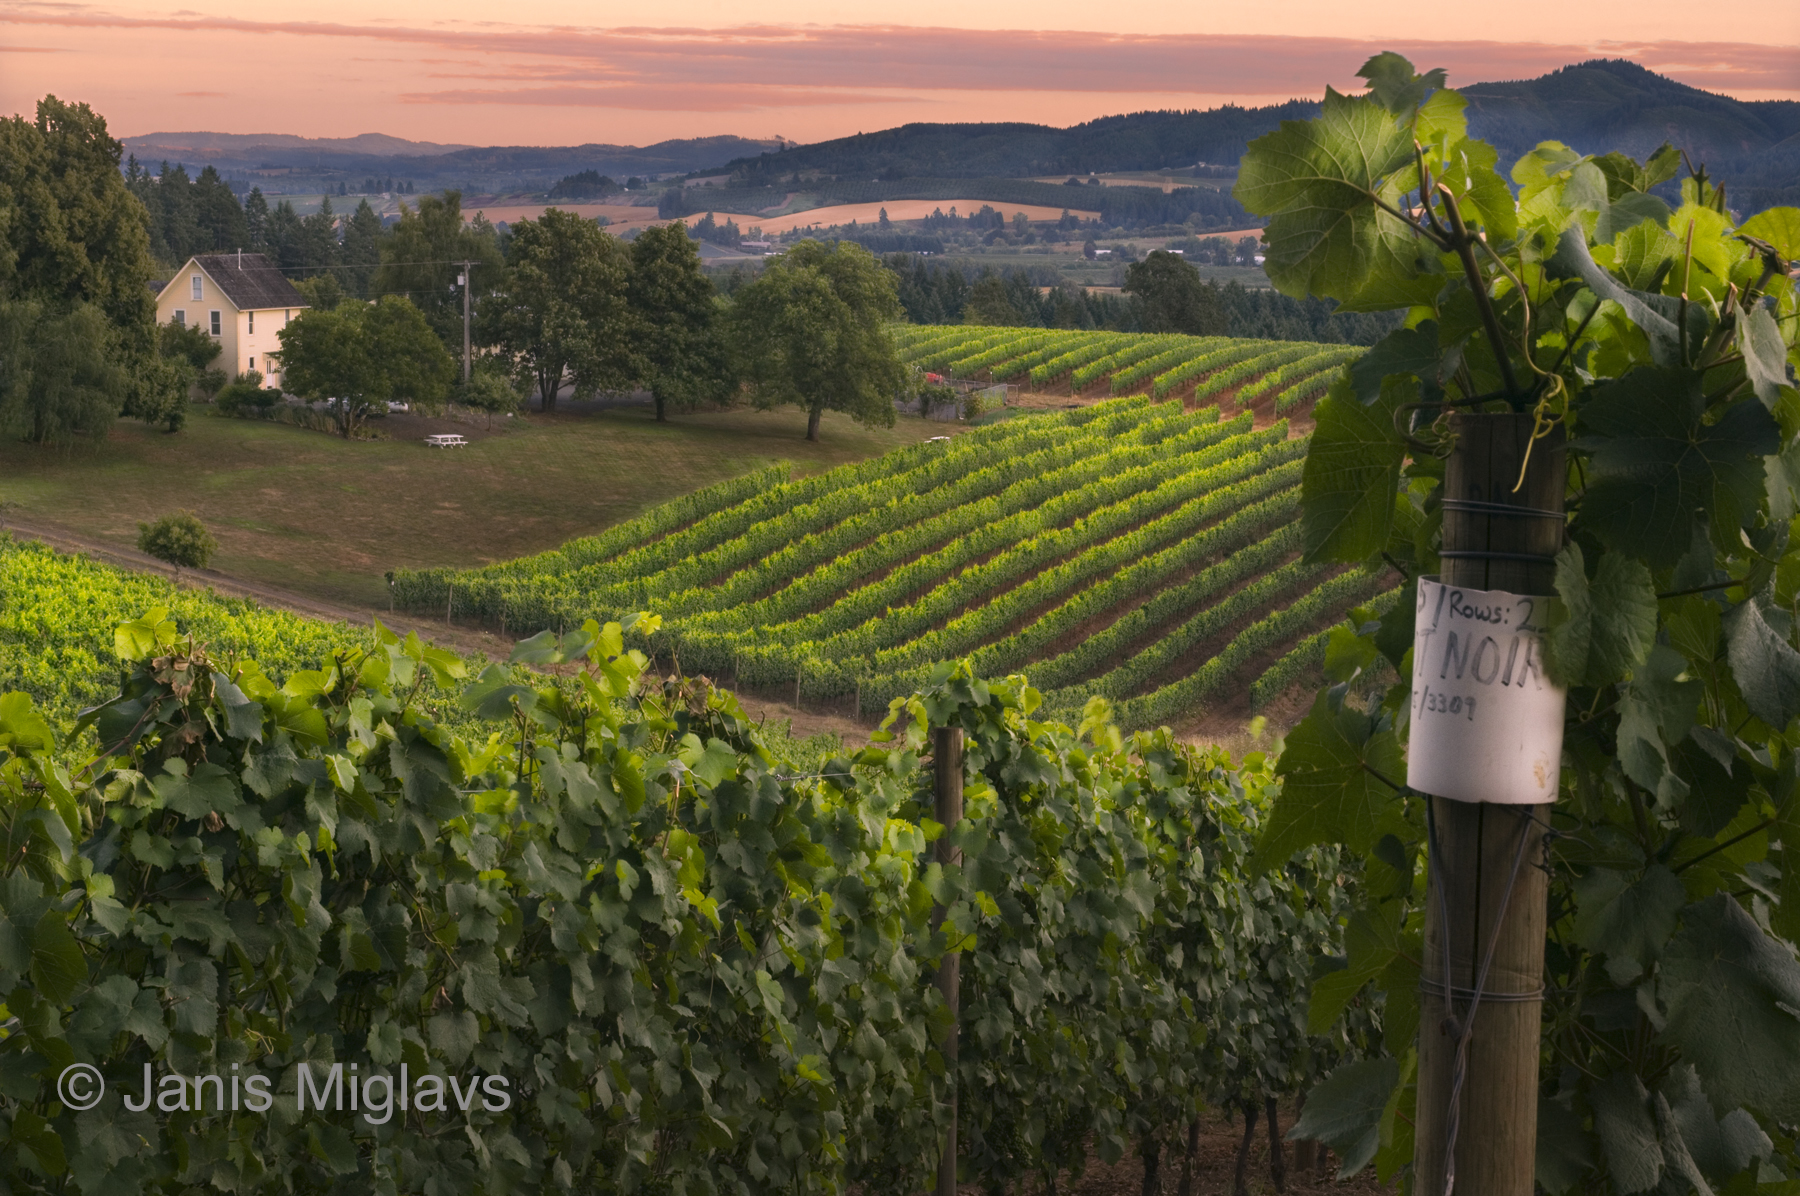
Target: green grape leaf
{"type": "Point", "coordinates": [1764, 664]}
{"type": "Point", "coordinates": [1627, 1131]}
{"type": "Point", "coordinates": [1730, 991]}
{"type": "Point", "coordinates": [1601, 629]}
{"type": "Point", "coordinates": [1658, 466]}
{"type": "Point", "coordinates": [1565, 1154]}
{"type": "Point", "coordinates": [1482, 196]}
{"type": "Point", "coordinates": [1319, 181]}
{"type": "Point", "coordinates": [1344, 1110]}
{"type": "Point", "coordinates": [1404, 351]}
{"type": "Point", "coordinates": [1627, 212]}
{"type": "Point", "coordinates": [1572, 260]}
{"type": "Point", "coordinates": [1765, 354]}
{"type": "Point", "coordinates": [1719, 1146]}
{"type": "Point", "coordinates": [1627, 920]}
{"type": "Point", "coordinates": [206, 790]}
{"type": "Point", "coordinates": [1780, 227]}
{"type": "Point", "coordinates": [1352, 472]}
{"type": "Point", "coordinates": [1330, 791]}
{"type": "Point", "coordinates": [57, 964]}
{"type": "Point", "coordinates": [1394, 85]}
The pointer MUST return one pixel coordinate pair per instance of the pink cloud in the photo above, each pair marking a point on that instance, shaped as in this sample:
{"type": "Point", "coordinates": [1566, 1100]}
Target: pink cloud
{"type": "Point", "coordinates": [982, 60]}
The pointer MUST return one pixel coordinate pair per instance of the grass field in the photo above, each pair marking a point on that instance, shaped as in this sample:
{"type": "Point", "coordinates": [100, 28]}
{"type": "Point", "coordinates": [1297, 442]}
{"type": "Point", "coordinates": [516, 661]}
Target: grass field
{"type": "Point", "coordinates": [326, 517]}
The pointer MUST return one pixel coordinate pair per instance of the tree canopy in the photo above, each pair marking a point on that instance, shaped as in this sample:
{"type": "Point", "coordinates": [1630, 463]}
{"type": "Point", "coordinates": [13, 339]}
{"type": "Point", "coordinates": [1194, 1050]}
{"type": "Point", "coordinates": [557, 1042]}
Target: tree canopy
{"type": "Point", "coordinates": [360, 354]}
{"type": "Point", "coordinates": [421, 256]}
{"type": "Point", "coordinates": [676, 324]}
{"type": "Point", "coordinates": [562, 311]}
{"type": "Point", "coordinates": [812, 332]}
{"type": "Point", "coordinates": [1170, 296]}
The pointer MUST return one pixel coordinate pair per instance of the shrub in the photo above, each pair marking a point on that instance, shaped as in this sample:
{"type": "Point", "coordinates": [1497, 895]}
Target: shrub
{"type": "Point", "coordinates": [179, 539]}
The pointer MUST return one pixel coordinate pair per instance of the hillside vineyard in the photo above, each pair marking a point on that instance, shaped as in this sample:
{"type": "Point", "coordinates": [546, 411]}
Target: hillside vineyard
{"type": "Point", "coordinates": [1132, 549]}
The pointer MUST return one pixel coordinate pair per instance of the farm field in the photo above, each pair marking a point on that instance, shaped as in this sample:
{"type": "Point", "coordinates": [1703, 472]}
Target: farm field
{"type": "Point", "coordinates": [622, 217]}
{"type": "Point", "coordinates": [1143, 549]}
{"type": "Point", "coordinates": [325, 517]}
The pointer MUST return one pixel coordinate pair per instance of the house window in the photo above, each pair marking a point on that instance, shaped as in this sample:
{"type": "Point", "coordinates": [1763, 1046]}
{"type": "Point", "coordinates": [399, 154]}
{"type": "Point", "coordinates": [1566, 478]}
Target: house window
{"type": "Point", "coordinates": [215, 324]}
{"type": "Point", "coordinates": [252, 326]}
{"type": "Point", "coordinates": [196, 284]}
{"type": "Point", "coordinates": [180, 318]}
{"type": "Point", "coordinates": [252, 361]}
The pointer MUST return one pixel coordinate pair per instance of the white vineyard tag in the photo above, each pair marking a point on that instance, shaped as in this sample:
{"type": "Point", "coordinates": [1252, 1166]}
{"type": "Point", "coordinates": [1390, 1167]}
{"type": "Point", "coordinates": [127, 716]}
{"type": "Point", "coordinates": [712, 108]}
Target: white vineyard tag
{"type": "Point", "coordinates": [1487, 724]}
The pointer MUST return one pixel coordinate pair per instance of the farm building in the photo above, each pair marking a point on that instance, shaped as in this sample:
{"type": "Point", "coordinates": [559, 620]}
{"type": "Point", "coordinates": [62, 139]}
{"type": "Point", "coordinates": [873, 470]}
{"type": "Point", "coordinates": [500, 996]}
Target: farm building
{"type": "Point", "coordinates": [242, 300]}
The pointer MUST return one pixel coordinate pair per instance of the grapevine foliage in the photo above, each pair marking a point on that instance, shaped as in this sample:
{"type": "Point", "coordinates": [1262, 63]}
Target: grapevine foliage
{"type": "Point", "coordinates": [697, 971]}
{"type": "Point", "coordinates": [1663, 338]}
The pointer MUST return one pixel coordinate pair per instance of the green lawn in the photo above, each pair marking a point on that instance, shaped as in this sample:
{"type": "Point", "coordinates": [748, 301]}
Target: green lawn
{"type": "Point", "coordinates": [326, 517]}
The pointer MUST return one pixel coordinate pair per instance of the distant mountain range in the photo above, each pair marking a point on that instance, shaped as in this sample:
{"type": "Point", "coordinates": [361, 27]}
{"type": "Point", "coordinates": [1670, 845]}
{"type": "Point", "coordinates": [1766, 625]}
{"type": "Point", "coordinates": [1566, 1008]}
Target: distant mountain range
{"type": "Point", "coordinates": [281, 162]}
{"type": "Point", "coordinates": [1596, 106]}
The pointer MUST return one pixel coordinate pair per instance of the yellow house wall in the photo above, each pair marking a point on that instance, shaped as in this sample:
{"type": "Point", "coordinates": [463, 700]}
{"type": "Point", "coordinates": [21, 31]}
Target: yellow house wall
{"type": "Point", "coordinates": [237, 343]}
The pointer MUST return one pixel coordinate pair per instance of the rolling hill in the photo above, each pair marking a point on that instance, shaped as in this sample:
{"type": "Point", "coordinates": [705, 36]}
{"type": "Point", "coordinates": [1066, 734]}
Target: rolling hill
{"type": "Point", "coordinates": [1144, 548]}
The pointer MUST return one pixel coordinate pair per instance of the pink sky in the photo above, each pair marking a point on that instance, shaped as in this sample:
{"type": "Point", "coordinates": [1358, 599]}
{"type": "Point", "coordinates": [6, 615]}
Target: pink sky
{"type": "Point", "coordinates": [560, 72]}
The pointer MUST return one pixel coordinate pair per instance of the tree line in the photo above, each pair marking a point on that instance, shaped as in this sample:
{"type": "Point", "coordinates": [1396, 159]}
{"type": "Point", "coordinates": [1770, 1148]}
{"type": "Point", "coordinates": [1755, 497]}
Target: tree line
{"type": "Point", "coordinates": [1162, 293]}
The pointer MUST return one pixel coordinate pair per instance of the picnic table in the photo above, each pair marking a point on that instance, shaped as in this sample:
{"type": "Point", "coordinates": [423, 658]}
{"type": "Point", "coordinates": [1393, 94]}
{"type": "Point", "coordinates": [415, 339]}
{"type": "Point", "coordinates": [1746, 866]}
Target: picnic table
{"type": "Point", "coordinates": [447, 440]}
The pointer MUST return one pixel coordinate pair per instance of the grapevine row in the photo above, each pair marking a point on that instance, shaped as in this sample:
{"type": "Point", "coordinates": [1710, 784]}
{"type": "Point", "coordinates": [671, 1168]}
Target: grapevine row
{"type": "Point", "coordinates": [1229, 377]}
{"type": "Point", "coordinates": [1305, 366]}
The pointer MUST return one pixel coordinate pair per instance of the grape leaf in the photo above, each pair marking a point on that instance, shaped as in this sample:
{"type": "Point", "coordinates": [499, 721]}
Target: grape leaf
{"type": "Point", "coordinates": [1658, 467]}
{"type": "Point", "coordinates": [1780, 227]}
{"type": "Point", "coordinates": [1627, 1132]}
{"type": "Point", "coordinates": [1344, 1111]}
{"type": "Point", "coordinates": [1730, 990]}
{"type": "Point", "coordinates": [1627, 920]}
{"type": "Point", "coordinates": [1765, 354]}
{"type": "Point", "coordinates": [1601, 629]}
{"type": "Point", "coordinates": [1319, 181]}
{"type": "Point", "coordinates": [1353, 471]}
{"type": "Point", "coordinates": [1764, 664]}
{"type": "Point", "coordinates": [1330, 791]}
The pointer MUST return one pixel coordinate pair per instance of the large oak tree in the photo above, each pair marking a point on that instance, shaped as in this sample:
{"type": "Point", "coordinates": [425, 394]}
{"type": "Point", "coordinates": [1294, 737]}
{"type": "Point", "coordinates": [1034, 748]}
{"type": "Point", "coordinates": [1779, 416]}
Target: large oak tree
{"type": "Point", "coordinates": [813, 332]}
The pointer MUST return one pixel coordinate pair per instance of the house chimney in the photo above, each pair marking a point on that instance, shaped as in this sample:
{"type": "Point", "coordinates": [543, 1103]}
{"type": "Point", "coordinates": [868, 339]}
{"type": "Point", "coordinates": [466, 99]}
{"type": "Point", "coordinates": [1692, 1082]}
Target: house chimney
{"type": "Point", "coordinates": [240, 257]}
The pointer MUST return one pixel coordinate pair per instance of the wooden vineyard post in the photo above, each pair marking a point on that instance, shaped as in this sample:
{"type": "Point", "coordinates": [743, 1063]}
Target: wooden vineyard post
{"type": "Point", "coordinates": [1491, 906]}
{"type": "Point", "coordinates": [947, 756]}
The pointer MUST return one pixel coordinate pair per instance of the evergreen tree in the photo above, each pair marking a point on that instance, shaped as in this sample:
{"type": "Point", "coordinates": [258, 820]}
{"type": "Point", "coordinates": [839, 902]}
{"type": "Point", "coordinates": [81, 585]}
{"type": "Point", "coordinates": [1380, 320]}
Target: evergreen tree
{"type": "Point", "coordinates": [175, 222]}
{"type": "Point", "coordinates": [256, 221]}
{"type": "Point", "coordinates": [361, 252]}
{"type": "Point", "coordinates": [218, 215]}
{"type": "Point", "coordinates": [319, 238]}
{"type": "Point", "coordinates": [284, 235]}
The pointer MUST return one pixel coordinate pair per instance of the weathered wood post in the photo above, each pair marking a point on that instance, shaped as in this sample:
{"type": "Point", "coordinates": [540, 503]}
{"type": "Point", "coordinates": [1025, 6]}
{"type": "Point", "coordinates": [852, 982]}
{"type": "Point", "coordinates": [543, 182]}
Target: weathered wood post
{"type": "Point", "coordinates": [1478, 1077]}
{"type": "Point", "coordinates": [947, 763]}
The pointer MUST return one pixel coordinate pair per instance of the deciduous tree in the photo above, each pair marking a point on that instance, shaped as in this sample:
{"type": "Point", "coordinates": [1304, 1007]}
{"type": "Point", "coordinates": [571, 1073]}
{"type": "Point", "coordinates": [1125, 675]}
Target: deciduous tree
{"type": "Point", "coordinates": [1171, 297]}
{"type": "Point", "coordinates": [563, 316]}
{"type": "Point", "coordinates": [361, 354]}
{"type": "Point", "coordinates": [420, 256]}
{"type": "Point", "coordinates": [676, 322]}
{"type": "Point", "coordinates": [812, 331]}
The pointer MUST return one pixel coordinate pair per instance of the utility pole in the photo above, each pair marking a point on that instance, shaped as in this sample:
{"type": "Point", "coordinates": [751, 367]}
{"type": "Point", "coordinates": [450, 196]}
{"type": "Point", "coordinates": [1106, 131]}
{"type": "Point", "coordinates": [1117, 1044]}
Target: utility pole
{"type": "Point", "coordinates": [947, 764]}
{"type": "Point", "coordinates": [1483, 962]}
{"type": "Point", "coordinates": [467, 274]}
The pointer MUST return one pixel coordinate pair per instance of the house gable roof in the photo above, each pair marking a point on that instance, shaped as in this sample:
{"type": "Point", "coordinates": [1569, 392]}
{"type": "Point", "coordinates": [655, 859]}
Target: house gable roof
{"type": "Point", "coordinates": [249, 280]}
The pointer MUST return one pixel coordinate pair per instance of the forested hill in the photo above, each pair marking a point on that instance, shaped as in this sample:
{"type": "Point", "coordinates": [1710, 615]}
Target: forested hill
{"type": "Point", "coordinates": [1596, 106]}
{"type": "Point", "coordinates": [1140, 141]}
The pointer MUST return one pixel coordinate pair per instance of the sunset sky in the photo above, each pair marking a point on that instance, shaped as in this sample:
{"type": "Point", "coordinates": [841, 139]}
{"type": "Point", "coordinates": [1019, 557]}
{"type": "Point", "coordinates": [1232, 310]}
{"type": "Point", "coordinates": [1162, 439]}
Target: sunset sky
{"type": "Point", "coordinates": [545, 72]}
